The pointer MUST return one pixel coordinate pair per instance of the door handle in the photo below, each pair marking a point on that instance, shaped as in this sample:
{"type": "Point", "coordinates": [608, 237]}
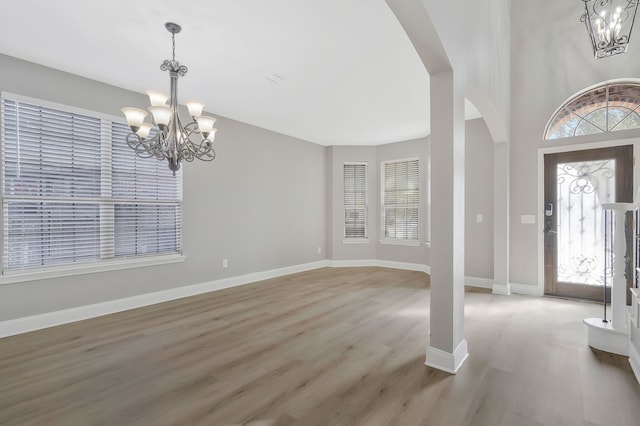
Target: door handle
{"type": "Point", "coordinates": [548, 229]}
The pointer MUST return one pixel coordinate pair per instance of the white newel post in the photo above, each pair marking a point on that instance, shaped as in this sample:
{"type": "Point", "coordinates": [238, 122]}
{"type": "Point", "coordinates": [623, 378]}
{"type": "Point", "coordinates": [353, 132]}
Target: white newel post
{"type": "Point", "coordinates": [612, 336]}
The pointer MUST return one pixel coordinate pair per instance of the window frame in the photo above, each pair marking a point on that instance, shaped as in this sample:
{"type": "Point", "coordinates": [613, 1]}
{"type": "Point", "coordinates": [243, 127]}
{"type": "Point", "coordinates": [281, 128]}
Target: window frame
{"type": "Point", "coordinates": [357, 240]}
{"type": "Point", "coordinates": [579, 107]}
{"type": "Point", "coordinates": [104, 264]}
{"type": "Point", "coordinates": [383, 206]}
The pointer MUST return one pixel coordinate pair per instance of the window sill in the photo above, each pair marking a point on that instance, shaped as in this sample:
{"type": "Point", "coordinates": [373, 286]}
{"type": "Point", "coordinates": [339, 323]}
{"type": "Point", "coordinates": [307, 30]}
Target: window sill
{"type": "Point", "coordinates": [355, 241]}
{"type": "Point", "coordinates": [410, 243]}
{"type": "Point", "coordinates": [70, 270]}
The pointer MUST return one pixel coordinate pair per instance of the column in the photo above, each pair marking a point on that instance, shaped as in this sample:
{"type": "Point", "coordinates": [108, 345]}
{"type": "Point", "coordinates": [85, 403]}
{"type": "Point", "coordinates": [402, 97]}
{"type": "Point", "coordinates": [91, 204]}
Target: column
{"type": "Point", "coordinates": [501, 218]}
{"type": "Point", "coordinates": [447, 348]}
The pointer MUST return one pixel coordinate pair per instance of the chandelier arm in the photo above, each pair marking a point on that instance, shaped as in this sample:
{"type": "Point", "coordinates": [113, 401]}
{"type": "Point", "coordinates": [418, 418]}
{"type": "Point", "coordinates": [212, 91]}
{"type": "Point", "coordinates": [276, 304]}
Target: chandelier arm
{"type": "Point", "coordinates": [192, 128]}
{"type": "Point", "coordinates": [144, 148]}
{"type": "Point", "coordinates": [157, 146]}
{"type": "Point", "coordinates": [201, 149]}
{"type": "Point", "coordinates": [189, 148]}
{"type": "Point", "coordinates": [209, 155]}
{"type": "Point", "coordinates": [149, 143]}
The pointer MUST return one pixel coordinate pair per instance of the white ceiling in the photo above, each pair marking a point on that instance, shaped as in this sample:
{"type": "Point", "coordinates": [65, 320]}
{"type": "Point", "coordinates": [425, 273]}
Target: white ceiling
{"type": "Point", "coordinates": [333, 72]}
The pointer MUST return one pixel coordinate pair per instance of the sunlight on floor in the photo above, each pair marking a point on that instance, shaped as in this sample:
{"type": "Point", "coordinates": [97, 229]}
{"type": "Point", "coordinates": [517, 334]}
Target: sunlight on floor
{"type": "Point", "coordinates": [412, 313]}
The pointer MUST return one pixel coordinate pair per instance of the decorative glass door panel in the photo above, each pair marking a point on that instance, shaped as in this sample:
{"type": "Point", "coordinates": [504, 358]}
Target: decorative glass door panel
{"type": "Point", "coordinates": [582, 187]}
{"type": "Point", "coordinates": [576, 185]}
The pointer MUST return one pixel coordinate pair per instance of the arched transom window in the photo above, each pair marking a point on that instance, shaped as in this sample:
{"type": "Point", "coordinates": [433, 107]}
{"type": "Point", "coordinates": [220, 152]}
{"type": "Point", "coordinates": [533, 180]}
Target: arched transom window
{"type": "Point", "coordinates": [607, 108]}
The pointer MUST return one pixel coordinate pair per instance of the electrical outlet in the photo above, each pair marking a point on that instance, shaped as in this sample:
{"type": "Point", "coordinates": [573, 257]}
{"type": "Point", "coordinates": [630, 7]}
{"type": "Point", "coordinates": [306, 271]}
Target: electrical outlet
{"type": "Point", "coordinates": [319, 249]}
{"type": "Point", "coordinates": [479, 218]}
{"type": "Point", "coordinates": [225, 263]}
{"type": "Point", "coordinates": [528, 218]}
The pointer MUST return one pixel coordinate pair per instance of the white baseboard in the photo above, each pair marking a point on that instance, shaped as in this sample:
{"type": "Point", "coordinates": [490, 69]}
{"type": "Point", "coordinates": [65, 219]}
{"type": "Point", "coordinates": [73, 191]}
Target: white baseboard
{"type": "Point", "coordinates": [634, 360]}
{"type": "Point", "coordinates": [501, 289]}
{"type": "Point", "coordinates": [445, 361]}
{"type": "Point", "coordinates": [526, 289]}
{"type": "Point", "coordinates": [478, 282]}
{"type": "Point", "coordinates": [380, 263]}
{"type": "Point", "coordinates": [352, 263]}
{"type": "Point", "coordinates": [403, 265]}
{"type": "Point", "coordinates": [51, 319]}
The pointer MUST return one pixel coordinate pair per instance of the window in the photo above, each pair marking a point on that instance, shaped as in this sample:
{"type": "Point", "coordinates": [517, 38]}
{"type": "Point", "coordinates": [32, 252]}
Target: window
{"type": "Point", "coordinates": [400, 200]}
{"type": "Point", "coordinates": [74, 193]}
{"type": "Point", "coordinates": [355, 201]}
{"type": "Point", "coordinates": [606, 108]}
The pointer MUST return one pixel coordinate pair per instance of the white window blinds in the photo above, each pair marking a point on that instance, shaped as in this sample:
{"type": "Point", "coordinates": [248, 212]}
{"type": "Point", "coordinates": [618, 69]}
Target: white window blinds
{"type": "Point", "coordinates": [74, 192]}
{"type": "Point", "coordinates": [147, 201]}
{"type": "Point", "coordinates": [400, 199]}
{"type": "Point", "coordinates": [355, 200]}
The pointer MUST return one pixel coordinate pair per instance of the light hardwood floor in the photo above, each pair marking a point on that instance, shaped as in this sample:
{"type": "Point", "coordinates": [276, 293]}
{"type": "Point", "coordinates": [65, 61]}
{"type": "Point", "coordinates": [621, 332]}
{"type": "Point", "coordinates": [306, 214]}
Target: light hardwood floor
{"type": "Point", "coordinates": [328, 347]}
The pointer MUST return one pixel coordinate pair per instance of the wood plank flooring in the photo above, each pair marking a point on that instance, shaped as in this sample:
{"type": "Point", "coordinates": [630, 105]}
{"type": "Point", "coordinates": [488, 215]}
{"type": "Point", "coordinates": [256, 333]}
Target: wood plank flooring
{"type": "Point", "coordinates": [342, 346]}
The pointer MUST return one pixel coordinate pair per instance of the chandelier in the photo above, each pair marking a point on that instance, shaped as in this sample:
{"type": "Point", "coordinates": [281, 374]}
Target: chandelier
{"type": "Point", "coordinates": [609, 24]}
{"type": "Point", "coordinates": [166, 138]}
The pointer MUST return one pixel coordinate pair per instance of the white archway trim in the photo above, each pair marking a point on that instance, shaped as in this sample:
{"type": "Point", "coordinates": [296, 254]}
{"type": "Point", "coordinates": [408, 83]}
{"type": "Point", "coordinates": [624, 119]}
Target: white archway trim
{"type": "Point", "coordinates": [492, 118]}
{"type": "Point", "coordinates": [417, 24]}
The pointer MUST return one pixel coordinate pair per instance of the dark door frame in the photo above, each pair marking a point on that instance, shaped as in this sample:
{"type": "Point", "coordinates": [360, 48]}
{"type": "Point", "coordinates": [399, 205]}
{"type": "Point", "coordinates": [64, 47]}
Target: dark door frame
{"type": "Point", "coordinates": [624, 193]}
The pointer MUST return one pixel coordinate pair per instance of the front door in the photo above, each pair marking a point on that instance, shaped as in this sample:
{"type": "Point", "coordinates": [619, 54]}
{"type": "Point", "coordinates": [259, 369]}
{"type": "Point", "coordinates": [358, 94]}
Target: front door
{"type": "Point", "coordinates": [576, 184]}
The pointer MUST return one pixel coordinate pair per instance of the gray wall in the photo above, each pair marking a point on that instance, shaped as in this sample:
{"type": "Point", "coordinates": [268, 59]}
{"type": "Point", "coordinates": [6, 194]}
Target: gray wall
{"type": "Point", "coordinates": [373, 156]}
{"type": "Point", "coordinates": [260, 204]}
{"type": "Point", "coordinates": [396, 151]}
{"type": "Point", "coordinates": [478, 200]}
{"type": "Point", "coordinates": [550, 63]}
{"type": "Point", "coordinates": [351, 251]}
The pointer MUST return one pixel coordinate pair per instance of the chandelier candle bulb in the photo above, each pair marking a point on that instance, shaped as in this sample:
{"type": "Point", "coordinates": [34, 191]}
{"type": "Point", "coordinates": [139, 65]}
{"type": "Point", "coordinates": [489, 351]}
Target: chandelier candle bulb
{"type": "Point", "coordinates": [175, 141]}
{"type": "Point", "coordinates": [211, 136]}
{"type": "Point", "coordinates": [135, 117]}
{"type": "Point", "coordinates": [161, 115]}
{"type": "Point", "coordinates": [157, 98]}
{"type": "Point", "coordinates": [144, 130]}
{"type": "Point", "coordinates": [195, 108]}
{"type": "Point", "coordinates": [205, 124]}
